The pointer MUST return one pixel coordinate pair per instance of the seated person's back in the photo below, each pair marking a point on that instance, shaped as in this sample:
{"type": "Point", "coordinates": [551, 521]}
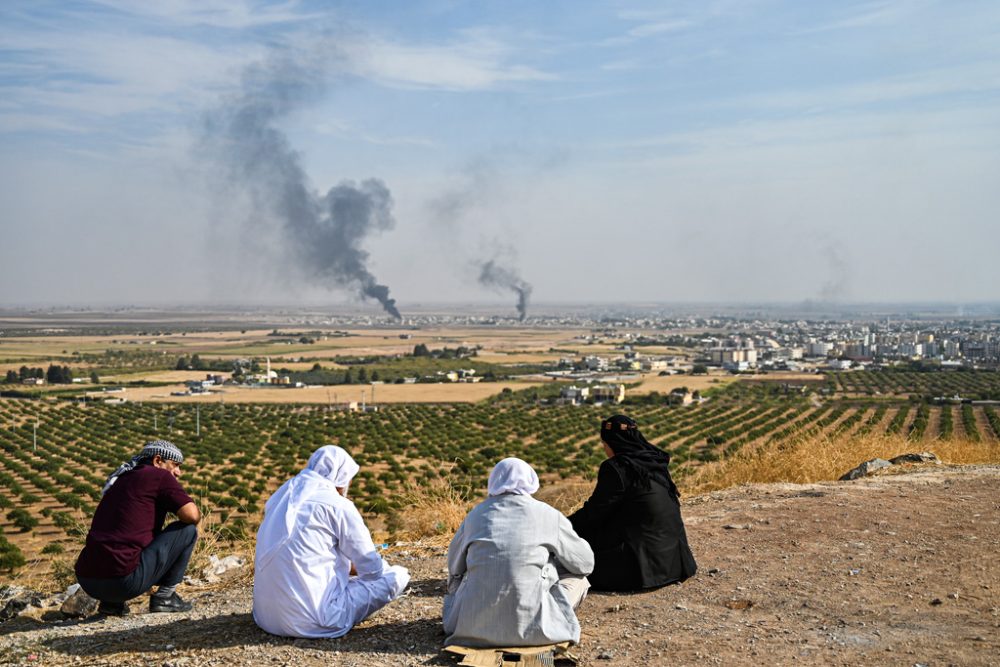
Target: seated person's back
{"type": "Point", "coordinates": [516, 570]}
{"type": "Point", "coordinates": [309, 540]}
{"type": "Point", "coordinates": [633, 519]}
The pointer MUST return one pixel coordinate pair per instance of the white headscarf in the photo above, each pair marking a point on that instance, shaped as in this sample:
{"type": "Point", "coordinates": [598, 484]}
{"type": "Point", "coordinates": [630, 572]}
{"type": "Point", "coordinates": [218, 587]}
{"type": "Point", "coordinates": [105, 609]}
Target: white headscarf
{"type": "Point", "coordinates": [328, 467]}
{"type": "Point", "coordinates": [333, 463]}
{"type": "Point", "coordinates": [512, 475]}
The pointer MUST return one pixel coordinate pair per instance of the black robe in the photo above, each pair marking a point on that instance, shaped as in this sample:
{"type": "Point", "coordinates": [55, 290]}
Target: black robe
{"type": "Point", "coordinates": [637, 535]}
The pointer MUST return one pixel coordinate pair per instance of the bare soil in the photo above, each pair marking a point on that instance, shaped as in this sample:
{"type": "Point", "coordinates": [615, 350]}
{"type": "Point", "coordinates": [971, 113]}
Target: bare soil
{"type": "Point", "coordinates": [896, 569]}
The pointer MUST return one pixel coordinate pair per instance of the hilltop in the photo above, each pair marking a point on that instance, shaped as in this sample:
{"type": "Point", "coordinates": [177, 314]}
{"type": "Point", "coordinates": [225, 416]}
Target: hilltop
{"type": "Point", "coordinates": [891, 569]}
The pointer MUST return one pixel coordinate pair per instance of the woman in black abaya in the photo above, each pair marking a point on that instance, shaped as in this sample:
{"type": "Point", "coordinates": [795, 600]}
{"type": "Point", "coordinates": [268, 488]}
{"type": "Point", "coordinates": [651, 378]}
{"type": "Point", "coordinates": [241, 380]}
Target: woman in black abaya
{"type": "Point", "coordinates": [633, 518]}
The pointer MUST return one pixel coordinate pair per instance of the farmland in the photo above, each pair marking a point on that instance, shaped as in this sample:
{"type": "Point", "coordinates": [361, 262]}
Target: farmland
{"type": "Point", "coordinates": [58, 442]}
{"type": "Point", "coordinates": [54, 456]}
{"type": "Point", "coordinates": [977, 384]}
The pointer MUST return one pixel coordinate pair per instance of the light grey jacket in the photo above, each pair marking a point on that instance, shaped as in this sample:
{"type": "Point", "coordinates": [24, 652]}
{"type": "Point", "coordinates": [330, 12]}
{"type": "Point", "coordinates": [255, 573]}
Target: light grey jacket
{"type": "Point", "coordinates": [502, 578]}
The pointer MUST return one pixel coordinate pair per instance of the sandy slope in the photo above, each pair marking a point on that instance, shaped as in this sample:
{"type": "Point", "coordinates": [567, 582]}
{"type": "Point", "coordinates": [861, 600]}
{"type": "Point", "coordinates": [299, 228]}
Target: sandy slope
{"type": "Point", "coordinates": [894, 570]}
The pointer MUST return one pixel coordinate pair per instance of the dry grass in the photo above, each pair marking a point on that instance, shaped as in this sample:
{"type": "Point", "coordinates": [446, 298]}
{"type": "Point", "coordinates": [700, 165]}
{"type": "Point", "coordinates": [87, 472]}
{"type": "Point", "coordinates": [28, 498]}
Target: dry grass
{"type": "Point", "coordinates": [821, 457]}
{"type": "Point", "coordinates": [429, 513]}
{"type": "Point", "coordinates": [566, 496]}
{"type": "Point", "coordinates": [214, 540]}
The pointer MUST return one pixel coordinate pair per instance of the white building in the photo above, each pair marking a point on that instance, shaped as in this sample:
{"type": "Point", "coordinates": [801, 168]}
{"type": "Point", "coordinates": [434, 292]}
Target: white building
{"type": "Point", "coordinates": [574, 394]}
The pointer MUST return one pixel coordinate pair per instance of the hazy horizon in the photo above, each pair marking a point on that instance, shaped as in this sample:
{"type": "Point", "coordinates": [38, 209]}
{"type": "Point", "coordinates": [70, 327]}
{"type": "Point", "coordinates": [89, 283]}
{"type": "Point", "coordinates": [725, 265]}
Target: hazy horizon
{"type": "Point", "coordinates": [292, 153]}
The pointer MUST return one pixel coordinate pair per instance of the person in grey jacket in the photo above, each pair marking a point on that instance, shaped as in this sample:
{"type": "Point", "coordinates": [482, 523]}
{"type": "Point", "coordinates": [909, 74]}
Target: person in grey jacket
{"type": "Point", "coordinates": [516, 568]}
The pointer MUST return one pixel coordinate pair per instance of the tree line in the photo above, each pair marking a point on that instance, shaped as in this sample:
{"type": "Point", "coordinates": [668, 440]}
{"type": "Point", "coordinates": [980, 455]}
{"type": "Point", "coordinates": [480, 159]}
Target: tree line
{"type": "Point", "coordinates": [54, 375]}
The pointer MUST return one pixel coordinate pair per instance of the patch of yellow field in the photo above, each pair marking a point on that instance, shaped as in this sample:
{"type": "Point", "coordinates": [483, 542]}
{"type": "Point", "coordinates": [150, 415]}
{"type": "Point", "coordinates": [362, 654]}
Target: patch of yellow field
{"type": "Point", "coordinates": [666, 383]}
{"type": "Point", "coordinates": [161, 376]}
{"type": "Point", "coordinates": [518, 358]}
{"type": "Point", "coordinates": [385, 393]}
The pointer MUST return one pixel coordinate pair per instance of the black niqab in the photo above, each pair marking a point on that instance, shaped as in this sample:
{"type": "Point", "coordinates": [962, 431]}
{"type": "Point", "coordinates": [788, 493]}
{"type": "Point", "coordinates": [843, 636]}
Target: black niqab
{"type": "Point", "coordinates": [633, 451]}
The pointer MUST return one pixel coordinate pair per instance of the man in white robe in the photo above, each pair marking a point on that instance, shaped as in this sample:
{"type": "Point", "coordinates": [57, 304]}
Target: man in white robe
{"type": "Point", "coordinates": [309, 539]}
{"type": "Point", "coordinates": [516, 568]}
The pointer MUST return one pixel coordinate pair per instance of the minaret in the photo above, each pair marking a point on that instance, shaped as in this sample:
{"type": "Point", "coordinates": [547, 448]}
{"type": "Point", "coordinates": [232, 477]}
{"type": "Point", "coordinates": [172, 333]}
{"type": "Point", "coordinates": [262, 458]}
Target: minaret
{"type": "Point", "coordinates": [268, 369]}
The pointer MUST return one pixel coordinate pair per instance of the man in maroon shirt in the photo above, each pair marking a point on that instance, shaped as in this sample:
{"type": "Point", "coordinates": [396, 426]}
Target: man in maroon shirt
{"type": "Point", "coordinates": [128, 550]}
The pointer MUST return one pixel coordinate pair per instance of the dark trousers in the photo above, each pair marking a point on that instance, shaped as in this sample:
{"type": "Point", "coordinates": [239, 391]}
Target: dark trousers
{"type": "Point", "coordinates": [162, 563]}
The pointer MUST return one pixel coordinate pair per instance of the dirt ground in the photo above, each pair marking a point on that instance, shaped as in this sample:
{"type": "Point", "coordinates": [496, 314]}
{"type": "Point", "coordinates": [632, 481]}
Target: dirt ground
{"type": "Point", "coordinates": [891, 570]}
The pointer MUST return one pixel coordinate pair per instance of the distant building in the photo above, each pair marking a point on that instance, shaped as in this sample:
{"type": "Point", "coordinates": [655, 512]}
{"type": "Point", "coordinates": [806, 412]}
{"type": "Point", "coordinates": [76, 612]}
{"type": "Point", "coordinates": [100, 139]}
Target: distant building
{"type": "Point", "coordinates": [595, 363]}
{"type": "Point", "coordinates": [680, 396]}
{"type": "Point", "coordinates": [818, 349]}
{"type": "Point", "coordinates": [733, 357]}
{"type": "Point", "coordinates": [574, 395]}
{"type": "Point", "coordinates": [608, 393]}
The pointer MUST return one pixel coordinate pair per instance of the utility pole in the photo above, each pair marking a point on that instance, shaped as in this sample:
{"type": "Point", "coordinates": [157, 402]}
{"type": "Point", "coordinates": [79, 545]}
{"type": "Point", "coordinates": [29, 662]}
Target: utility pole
{"type": "Point", "coordinates": [197, 420]}
{"type": "Point", "coordinates": [34, 436]}
{"type": "Point", "coordinates": [156, 428]}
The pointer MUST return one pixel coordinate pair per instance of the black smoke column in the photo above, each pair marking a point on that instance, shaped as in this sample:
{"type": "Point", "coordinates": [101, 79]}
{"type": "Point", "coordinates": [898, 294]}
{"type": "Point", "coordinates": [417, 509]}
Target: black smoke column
{"type": "Point", "coordinates": [493, 275]}
{"type": "Point", "coordinates": [322, 233]}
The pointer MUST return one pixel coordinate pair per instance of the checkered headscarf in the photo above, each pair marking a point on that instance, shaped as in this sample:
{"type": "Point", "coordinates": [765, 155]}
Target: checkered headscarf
{"type": "Point", "coordinates": [162, 448]}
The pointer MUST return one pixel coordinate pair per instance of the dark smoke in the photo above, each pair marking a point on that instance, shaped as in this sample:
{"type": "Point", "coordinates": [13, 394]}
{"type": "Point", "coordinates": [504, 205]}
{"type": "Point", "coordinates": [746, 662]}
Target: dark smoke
{"type": "Point", "coordinates": [492, 274]}
{"type": "Point", "coordinates": [835, 286]}
{"type": "Point", "coordinates": [323, 233]}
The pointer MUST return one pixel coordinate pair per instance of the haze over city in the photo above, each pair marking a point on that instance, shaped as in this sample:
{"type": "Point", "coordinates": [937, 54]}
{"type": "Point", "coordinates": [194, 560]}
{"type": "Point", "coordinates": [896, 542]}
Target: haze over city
{"type": "Point", "coordinates": [437, 151]}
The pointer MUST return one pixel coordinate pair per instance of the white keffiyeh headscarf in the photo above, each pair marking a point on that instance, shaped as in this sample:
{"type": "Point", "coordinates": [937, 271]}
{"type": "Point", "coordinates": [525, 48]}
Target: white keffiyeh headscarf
{"type": "Point", "coordinates": [512, 475]}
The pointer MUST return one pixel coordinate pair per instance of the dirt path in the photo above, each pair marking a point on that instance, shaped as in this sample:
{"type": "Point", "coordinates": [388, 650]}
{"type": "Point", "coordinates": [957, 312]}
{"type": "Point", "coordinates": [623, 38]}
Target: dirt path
{"type": "Point", "coordinates": [894, 570]}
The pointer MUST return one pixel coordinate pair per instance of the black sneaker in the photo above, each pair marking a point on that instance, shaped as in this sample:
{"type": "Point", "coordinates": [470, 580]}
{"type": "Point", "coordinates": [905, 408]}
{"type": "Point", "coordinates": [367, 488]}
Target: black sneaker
{"type": "Point", "coordinates": [173, 603]}
{"type": "Point", "coordinates": [112, 608]}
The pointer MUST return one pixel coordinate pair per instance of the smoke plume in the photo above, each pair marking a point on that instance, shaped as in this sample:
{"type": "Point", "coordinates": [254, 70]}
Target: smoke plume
{"type": "Point", "coordinates": [836, 284]}
{"type": "Point", "coordinates": [322, 233]}
{"type": "Point", "coordinates": [493, 275]}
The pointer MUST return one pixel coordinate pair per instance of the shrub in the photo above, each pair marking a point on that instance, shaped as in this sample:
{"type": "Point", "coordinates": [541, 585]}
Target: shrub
{"type": "Point", "coordinates": [23, 519]}
{"type": "Point", "coordinates": [11, 557]}
{"type": "Point", "coordinates": [53, 548]}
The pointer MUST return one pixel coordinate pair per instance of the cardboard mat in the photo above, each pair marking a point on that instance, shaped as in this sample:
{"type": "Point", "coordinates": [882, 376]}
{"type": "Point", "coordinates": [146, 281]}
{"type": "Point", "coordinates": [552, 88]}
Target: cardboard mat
{"type": "Point", "coordinates": [550, 655]}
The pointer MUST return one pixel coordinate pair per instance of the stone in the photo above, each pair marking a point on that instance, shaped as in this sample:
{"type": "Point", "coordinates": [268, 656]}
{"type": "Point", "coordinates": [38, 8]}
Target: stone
{"type": "Point", "coordinates": [78, 605]}
{"type": "Point", "coordinates": [922, 457]}
{"type": "Point", "coordinates": [866, 468]}
{"type": "Point", "coordinates": [12, 609]}
{"type": "Point", "coordinates": [15, 599]}
{"type": "Point", "coordinates": [220, 566]}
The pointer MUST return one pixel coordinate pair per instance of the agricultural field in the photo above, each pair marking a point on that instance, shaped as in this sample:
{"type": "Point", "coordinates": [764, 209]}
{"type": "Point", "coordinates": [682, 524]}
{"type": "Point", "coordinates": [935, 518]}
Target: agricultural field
{"type": "Point", "coordinates": [150, 351]}
{"type": "Point", "coordinates": [441, 392]}
{"type": "Point", "coordinates": [54, 456]}
{"type": "Point", "coordinates": [156, 362]}
{"type": "Point", "coordinates": [970, 384]}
